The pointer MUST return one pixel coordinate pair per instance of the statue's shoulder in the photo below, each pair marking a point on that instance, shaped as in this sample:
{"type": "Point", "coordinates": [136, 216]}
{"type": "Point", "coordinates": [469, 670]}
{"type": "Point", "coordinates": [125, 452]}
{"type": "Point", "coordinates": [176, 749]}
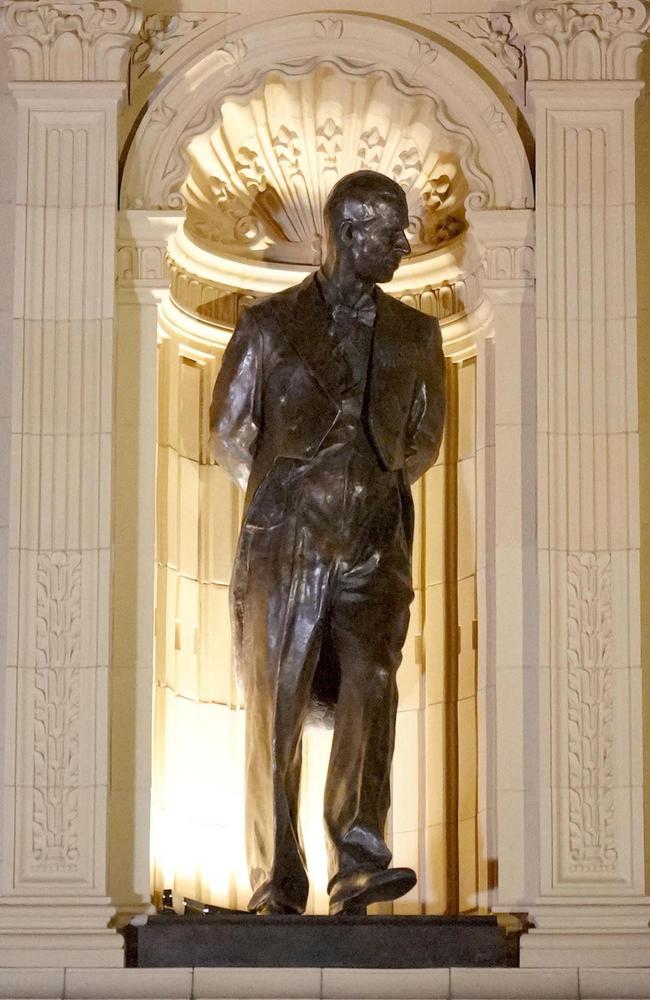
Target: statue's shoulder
{"type": "Point", "coordinates": [409, 320]}
{"type": "Point", "coordinates": [279, 304]}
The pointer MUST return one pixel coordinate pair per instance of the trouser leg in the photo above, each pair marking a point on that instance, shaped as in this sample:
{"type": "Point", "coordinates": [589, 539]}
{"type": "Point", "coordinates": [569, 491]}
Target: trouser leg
{"type": "Point", "coordinates": [369, 622]}
{"type": "Point", "coordinates": [281, 639]}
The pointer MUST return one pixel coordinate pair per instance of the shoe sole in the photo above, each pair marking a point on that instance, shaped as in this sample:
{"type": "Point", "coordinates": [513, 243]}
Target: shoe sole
{"type": "Point", "coordinates": [383, 890]}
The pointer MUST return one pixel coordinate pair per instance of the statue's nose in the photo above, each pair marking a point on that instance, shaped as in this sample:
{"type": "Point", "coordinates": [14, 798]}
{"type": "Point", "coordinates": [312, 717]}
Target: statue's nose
{"type": "Point", "coordinates": [403, 244]}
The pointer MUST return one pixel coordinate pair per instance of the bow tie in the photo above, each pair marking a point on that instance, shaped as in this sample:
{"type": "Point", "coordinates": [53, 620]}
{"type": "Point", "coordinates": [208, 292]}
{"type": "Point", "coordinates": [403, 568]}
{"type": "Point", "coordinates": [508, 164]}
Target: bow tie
{"type": "Point", "coordinates": [365, 312]}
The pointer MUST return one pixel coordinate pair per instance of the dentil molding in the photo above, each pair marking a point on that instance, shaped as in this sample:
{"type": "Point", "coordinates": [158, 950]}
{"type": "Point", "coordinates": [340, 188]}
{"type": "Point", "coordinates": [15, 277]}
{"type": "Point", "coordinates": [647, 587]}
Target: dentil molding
{"type": "Point", "coordinates": [581, 40]}
{"type": "Point", "coordinates": [79, 40]}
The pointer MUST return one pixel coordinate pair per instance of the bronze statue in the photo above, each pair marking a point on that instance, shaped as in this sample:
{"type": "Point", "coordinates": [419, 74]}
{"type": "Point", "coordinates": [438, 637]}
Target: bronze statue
{"type": "Point", "coordinates": [328, 405]}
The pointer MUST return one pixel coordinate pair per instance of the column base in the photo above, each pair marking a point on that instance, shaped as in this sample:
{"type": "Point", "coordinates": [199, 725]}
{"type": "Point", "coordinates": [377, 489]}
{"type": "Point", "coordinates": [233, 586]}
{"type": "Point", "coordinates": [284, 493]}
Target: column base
{"type": "Point", "coordinates": [587, 934]}
{"type": "Point", "coordinates": [50, 934]}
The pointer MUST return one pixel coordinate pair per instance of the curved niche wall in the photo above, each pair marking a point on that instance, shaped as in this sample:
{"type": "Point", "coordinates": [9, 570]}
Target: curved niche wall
{"type": "Point", "coordinates": [256, 186]}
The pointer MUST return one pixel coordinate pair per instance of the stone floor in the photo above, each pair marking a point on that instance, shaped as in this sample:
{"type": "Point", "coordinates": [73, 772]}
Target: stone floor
{"type": "Point", "coordinates": [324, 984]}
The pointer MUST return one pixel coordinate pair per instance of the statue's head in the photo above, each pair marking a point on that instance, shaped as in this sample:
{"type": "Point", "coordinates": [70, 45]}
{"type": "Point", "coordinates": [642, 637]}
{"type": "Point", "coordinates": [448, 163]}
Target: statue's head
{"type": "Point", "coordinates": [365, 218]}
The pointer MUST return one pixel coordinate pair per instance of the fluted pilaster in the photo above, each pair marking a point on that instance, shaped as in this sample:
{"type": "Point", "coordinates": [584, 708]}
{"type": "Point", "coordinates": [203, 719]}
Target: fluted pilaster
{"type": "Point", "coordinates": [68, 62]}
{"type": "Point", "coordinates": [582, 61]}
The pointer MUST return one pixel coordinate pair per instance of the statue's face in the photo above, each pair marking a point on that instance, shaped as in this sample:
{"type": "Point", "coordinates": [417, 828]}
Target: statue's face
{"type": "Point", "coordinates": [376, 247]}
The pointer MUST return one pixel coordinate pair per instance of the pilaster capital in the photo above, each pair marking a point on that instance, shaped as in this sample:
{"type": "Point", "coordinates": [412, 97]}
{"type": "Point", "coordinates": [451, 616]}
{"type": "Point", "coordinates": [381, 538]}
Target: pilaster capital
{"type": "Point", "coordinates": [582, 40]}
{"type": "Point", "coordinates": [80, 40]}
{"type": "Point", "coordinates": [507, 237]}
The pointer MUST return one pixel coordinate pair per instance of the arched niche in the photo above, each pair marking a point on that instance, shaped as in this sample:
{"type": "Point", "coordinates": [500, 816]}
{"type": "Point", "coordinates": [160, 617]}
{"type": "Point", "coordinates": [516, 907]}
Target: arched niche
{"type": "Point", "coordinates": [173, 149]}
{"type": "Point", "coordinates": [187, 104]}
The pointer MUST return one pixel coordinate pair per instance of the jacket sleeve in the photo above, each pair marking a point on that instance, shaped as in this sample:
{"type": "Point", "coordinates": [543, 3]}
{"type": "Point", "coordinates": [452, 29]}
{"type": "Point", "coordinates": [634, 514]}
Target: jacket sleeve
{"type": "Point", "coordinates": [427, 416]}
{"type": "Point", "coordinates": [236, 409]}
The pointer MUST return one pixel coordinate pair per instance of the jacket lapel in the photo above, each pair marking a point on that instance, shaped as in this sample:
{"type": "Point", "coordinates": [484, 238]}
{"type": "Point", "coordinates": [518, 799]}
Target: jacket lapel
{"type": "Point", "coordinates": [387, 350]}
{"type": "Point", "coordinates": [306, 327]}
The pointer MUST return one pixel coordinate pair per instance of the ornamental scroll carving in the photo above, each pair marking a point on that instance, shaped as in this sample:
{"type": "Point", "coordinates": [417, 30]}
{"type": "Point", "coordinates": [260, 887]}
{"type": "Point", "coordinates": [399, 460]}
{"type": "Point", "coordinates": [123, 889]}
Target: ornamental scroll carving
{"type": "Point", "coordinates": [496, 34]}
{"type": "Point", "coordinates": [582, 40]}
{"type": "Point", "coordinates": [87, 40]}
{"type": "Point", "coordinates": [592, 839]}
{"type": "Point", "coordinates": [55, 820]}
{"type": "Point", "coordinates": [159, 33]}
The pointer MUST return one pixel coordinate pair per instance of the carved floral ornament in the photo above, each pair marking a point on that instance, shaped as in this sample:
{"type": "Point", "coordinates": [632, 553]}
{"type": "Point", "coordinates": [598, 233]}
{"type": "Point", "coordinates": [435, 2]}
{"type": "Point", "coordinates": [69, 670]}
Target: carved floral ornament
{"type": "Point", "coordinates": [580, 40]}
{"type": "Point", "coordinates": [82, 40]}
{"type": "Point", "coordinates": [55, 809]}
{"type": "Point", "coordinates": [590, 702]}
{"type": "Point", "coordinates": [159, 33]}
{"type": "Point", "coordinates": [495, 33]}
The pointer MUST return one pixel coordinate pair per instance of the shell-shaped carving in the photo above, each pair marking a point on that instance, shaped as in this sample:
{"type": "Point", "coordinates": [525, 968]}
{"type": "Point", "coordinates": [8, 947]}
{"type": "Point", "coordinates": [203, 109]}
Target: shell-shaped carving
{"type": "Point", "coordinates": [260, 177]}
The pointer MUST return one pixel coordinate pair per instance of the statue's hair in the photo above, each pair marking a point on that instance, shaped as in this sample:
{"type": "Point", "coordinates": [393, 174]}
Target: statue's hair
{"type": "Point", "coordinates": [355, 197]}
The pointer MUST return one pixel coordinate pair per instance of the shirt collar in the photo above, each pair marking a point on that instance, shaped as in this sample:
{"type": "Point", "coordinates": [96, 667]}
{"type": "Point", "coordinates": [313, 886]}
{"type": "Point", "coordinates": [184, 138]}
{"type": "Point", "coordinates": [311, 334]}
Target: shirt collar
{"type": "Point", "coordinates": [333, 296]}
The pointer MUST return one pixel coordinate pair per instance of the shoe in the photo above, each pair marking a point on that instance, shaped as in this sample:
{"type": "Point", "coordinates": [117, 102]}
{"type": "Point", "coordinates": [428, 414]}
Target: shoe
{"type": "Point", "coordinates": [271, 908]}
{"type": "Point", "coordinates": [353, 892]}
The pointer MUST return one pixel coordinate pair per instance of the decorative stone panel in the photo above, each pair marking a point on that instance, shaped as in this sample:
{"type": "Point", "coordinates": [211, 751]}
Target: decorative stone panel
{"type": "Point", "coordinates": [590, 712]}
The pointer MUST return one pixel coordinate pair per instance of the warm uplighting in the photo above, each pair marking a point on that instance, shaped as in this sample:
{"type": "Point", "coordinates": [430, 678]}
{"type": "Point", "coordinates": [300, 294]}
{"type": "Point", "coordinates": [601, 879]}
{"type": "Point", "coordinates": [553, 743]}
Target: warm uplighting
{"type": "Point", "coordinates": [198, 809]}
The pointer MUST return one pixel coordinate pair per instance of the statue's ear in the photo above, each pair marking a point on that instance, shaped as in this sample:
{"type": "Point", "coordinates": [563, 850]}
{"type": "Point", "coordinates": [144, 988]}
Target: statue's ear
{"type": "Point", "coordinates": [345, 233]}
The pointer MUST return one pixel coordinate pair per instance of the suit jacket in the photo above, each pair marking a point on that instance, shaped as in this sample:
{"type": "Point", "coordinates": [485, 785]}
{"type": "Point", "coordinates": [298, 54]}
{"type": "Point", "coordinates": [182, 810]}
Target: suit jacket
{"type": "Point", "coordinates": [276, 395]}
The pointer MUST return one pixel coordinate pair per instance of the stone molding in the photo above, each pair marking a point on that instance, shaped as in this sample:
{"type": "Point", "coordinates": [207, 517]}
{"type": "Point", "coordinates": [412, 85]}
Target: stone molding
{"type": "Point", "coordinates": [508, 244]}
{"type": "Point", "coordinates": [78, 40]}
{"type": "Point", "coordinates": [141, 263]}
{"type": "Point", "coordinates": [582, 40]}
{"type": "Point", "coordinates": [215, 303]}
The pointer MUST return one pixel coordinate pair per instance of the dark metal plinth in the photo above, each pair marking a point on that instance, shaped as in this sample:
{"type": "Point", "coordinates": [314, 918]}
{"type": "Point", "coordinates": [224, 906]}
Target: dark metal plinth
{"type": "Point", "coordinates": [168, 940]}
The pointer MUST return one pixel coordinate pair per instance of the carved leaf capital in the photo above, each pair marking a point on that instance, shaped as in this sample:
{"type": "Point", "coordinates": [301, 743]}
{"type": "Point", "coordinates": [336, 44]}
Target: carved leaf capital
{"type": "Point", "coordinates": [582, 40]}
{"type": "Point", "coordinates": [79, 40]}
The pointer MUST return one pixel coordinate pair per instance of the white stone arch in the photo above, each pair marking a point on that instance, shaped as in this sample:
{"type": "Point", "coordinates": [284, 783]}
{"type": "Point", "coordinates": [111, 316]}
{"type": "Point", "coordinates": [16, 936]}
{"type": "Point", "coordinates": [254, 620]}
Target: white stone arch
{"type": "Point", "coordinates": [188, 102]}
